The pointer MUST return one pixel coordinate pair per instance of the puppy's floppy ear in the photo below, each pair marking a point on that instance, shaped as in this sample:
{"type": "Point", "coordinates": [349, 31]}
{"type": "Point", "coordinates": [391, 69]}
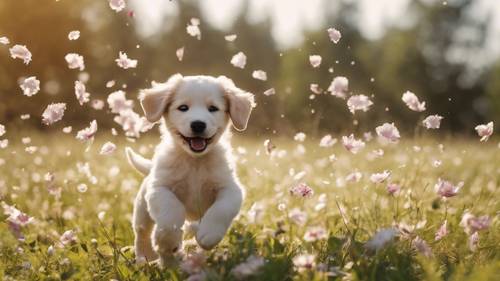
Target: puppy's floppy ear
{"type": "Point", "coordinates": [240, 102]}
{"type": "Point", "coordinates": [155, 100]}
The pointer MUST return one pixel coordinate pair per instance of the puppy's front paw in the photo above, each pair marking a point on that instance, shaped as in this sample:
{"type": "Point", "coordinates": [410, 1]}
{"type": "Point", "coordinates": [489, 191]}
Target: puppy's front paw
{"type": "Point", "coordinates": [209, 235]}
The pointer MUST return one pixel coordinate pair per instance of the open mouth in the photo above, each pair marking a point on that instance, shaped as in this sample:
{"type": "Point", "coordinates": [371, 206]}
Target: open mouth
{"type": "Point", "coordinates": [197, 144]}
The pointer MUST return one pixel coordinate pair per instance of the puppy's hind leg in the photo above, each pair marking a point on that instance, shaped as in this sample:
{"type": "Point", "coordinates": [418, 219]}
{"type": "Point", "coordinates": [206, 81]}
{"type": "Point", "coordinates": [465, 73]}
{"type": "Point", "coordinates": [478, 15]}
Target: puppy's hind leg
{"type": "Point", "coordinates": [169, 214]}
{"type": "Point", "coordinates": [142, 225]}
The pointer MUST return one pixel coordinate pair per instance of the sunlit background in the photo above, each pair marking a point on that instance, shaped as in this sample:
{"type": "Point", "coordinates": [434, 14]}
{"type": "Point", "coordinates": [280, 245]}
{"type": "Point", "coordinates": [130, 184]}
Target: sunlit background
{"type": "Point", "coordinates": [446, 52]}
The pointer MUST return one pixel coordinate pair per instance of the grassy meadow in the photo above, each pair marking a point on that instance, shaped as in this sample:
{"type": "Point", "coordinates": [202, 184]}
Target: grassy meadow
{"type": "Point", "coordinates": [81, 204]}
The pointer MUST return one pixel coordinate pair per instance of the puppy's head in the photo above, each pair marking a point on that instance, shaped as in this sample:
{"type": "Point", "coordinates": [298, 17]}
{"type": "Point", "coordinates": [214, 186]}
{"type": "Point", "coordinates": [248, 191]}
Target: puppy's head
{"type": "Point", "coordinates": [197, 109]}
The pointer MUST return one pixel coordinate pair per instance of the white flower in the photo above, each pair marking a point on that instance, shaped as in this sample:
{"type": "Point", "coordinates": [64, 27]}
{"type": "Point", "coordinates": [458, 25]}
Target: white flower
{"type": "Point", "coordinates": [412, 102]}
{"type": "Point", "coordinates": [315, 233]}
{"type": "Point", "coordinates": [81, 92]}
{"type": "Point", "coordinates": [485, 131]}
{"type": "Point", "coordinates": [74, 35]}
{"type": "Point", "coordinates": [259, 75]}
{"type": "Point", "coordinates": [472, 224]}
{"type": "Point", "coordinates": [334, 35]}
{"type": "Point", "coordinates": [124, 62]}
{"type": "Point", "coordinates": [75, 61]}
{"type": "Point", "coordinates": [4, 40]}
{"type": "Point", "coordinates": [442, 231]}
{"type": "Point", "coordinates": [388, 132]}
{"type": "Point", "coordinates": [432, 121]}
{"type": "Point", "coordinates": [339, 87]}
{"type": "Point", "coordinates": [239, 60]}
{"type": "Point", "coordinates": [68, 237]}
{"type": "Point", "coordinates": [87, 133]}
{"type": "Point", "coordinates": [354, 177]}
{"type": "Point", "coordinates": [380, 177]}
{"type": "Point", "coordinates": [108, 148]}
{"type": "Point", "coordinates": [315, 60]}
{"type": "Point", "coordinates": [352, 145]}
{"type": "Point", "coordinates": [297, 216]}
{"type": "Point", "coordinates": [193, 29]}
{"type": "Point", "coordinates": [2, 130]}
{"type": "Point", "coordinates": [117, 102]}
{"type": "Point", "coordinates": [270, 92]}
{"type": "Point", "coordinates": [304, 262]}
{"type": "Point", "coordinates": [327, 141]}
{"type": "Point", "coordinates": [117, 5]}
{"type": "Point", "coordinates": [381, 238]}
{"type": "Point", "coordinates": [53, 113]}
{"type": "Point", "coordinates": [180, 53]}
{"type": "Point", "coordinates": [300, 137]}
{"type": "Point", "coordinates": [20, 52]}
{"type": "Point", "coordinates": [359, 102]}
{"type": "Point", "coordinates": [30, 86]}
{"type": "Point", "coordinates": [230, 37]}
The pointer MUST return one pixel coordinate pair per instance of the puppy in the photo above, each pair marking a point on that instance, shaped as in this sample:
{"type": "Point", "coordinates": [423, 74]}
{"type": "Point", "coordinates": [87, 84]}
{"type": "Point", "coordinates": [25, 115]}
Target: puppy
{"type": "Point", "coordinates": [192, 174]}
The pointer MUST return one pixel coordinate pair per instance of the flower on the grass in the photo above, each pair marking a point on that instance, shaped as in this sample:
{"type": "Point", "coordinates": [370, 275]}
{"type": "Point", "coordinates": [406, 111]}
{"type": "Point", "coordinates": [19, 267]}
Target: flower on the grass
{"type": "Point", "coordinates": [354, 177]}
{"type": "Point", "coordinates": [193, 263]}
{"type": "Point", "coordinates": [30, 86]}
{"type": "Point", "coordinates": [352, 145]}
{"type": "Point", "coordinates": [334, 35]}
{"type": "Point", "coordinates": [315, 233]}
{"type": "Point", "coordinates": [256, 212]}
{"type": "Point", "coordinates": [249, 267]}
{"type": "Point", "coordinates": [447, 189]}
{"type": "Point", "coordinates": [68, 237]}
{"type": "Point", "coordinates": [20, 52]}
{"type": "Point", "coordinates": [359, 102]}
{"type": "Point", "coordinates": [381, 239]}
{"type": "Point", "coordinates": [298, 216]}
{"type": "Point", "coordinates": [432, 121]}
{"type": "Point", "coordinates": [421, 246]}
{"type": "Point", "coordinates": [339, 87]}
{"type": "Point", "coordinates": [53, 113]}
{"type": "Point", "coordinates": [442, 231]}
{"type": "Point", "coordinates": [412, 102]}
{"type": "Point", "coordinates": [327, 141]}
{"type": "Point", "coordinates": [301, 190]}
{"type": "Point", "coordinates": [304, 262]}
{"type": "Point", "coordinates": [315, 60]}
{"type": "Point", "coordinates": [485, 131]}
{"type": "Point", "coordinates": [472, 224]}
{"type": "Point", "coordinates": [124, 62]}
{"type": "Point", "coordinates": [393, 188]}
{"type": "Point", "coordinates": [473, 241]}
{"type": "Point", "coordinates": [239, 60]}
{"type": "Point", "coordinates": [388, 132]}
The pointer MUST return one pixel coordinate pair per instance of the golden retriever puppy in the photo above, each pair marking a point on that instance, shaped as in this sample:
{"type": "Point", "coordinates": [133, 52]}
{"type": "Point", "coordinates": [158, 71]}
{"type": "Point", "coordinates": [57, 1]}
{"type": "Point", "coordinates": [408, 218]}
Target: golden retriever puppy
{"type": "Point", "coordinates": [192, 174]}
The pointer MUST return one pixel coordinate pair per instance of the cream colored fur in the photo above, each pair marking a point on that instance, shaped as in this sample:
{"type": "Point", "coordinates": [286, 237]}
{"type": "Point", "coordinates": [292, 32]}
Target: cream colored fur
{"type": "Point", "coordinates": [183, 185]}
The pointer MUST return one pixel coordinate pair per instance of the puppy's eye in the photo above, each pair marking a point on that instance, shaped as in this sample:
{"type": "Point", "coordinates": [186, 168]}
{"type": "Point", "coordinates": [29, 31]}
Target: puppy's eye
{"type": "Point", "coordinates": [213, 108]}
{"type": "Point", "coordinates": [183, 108]}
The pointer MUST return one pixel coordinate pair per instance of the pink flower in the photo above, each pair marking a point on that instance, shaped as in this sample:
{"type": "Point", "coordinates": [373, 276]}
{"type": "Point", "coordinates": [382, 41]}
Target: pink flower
{"type": "Point", "coordinates": [354, 177]}
{"type": "Point", "coordinates": [249, 267]}
{"type": "Point", "coordinates": [132, 123]}
{"type": "Point", "coordinates": [108, 148]}
{"type": "Point", "coordinates": [485, 131]}
{"type": "Point", "coordinates": [117, 5]}
{"type": "Point", "coordinates": [474, 241]}
{"type": "Point", "coordinates": [53, 113]}
{"type": "Point", "coordinates": [315, 233]}
{"type": "Point", "coordinates": [393, 188]}
{"type": "Point", "coordinates": [239, 60]}
{"type": "Point", "coordinates": [124, 62]}
{"type": "Point", "coordinates": [30, 86]}
{"type": "Point", "coordinates": [412, 102]}
{"type": "Point", "coordinates": [269, 92]}
{"type": "Point", "coordinates": [87, 133]}
{"type": "Point", "coordinates": [193, 29]}
{"type": "Point", "coordinates": [359, 102]}
{"type": "Point", "coordinates": [74, 35]}
{"type": "Point", "coordinates": [20, 52]}
{"type": "Point", "coordinates": [432, 121]}
{"type": "Point", "coordinates": [302, 190]}
{"type": "Point", "coordinates": [339, 87]}
{"type": "Point", "coordinates": [15, 216]}
{"type": "Point", "coordinates": [334, 35]}
{"type": "Point", "coordinates": [447, 189]}
{"type": "Point", "coordinates": [422, 247]}
{"type": "Point", "coordinates": [75, 61]}
{"type": "Point", "coordinates": [117, 102]}
{"type": "Point", "coordinates": [304, 262]}
{"type": "Point", "coordinates": [180, 53]}
{"type": "Point", "coordinates": [442, 231]}
{"type": "Point", "coordinates": [388, 132]}
{"type": "Point", "coordinates": [4, 40]}
{"type": "Point", "coordinates": [259, 75]}
{"type": "Point", "coordinates": [472, 224]}
{"type": "Point", "coordinates": [81, 92]}
{"type": "Point", "coordinates": [380, 177]}
{"type": "Point", "coordinates": [315, 60]}
{"type": "Point", "coordinates": [297, 216]}
{"type": "Point", "coordinates": [327, 141]}
{"type": "Point", "coordinates": [352, 145]}
{"type": "Point", "coordinates": [68, 237]}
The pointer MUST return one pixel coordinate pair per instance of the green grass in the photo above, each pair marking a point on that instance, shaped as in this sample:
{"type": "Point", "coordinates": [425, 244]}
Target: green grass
{"type": "Point", "coordinates": [353, 213]}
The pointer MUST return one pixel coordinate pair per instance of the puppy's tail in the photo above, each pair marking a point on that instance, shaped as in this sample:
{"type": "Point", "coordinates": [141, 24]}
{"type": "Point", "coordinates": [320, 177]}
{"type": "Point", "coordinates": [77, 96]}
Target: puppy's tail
{"type": "Point", "coordinates": [140, 163]}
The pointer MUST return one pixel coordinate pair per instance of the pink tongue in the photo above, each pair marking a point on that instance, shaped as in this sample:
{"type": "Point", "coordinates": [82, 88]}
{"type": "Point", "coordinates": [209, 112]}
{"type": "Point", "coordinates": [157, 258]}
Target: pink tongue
{"type": "Point", "coordinates": [197, 143]}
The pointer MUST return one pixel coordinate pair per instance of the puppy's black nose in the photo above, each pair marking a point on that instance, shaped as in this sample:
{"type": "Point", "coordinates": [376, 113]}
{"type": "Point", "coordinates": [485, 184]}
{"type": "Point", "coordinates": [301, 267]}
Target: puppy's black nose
{"type": "Point", "coordinates": [198, 127]}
